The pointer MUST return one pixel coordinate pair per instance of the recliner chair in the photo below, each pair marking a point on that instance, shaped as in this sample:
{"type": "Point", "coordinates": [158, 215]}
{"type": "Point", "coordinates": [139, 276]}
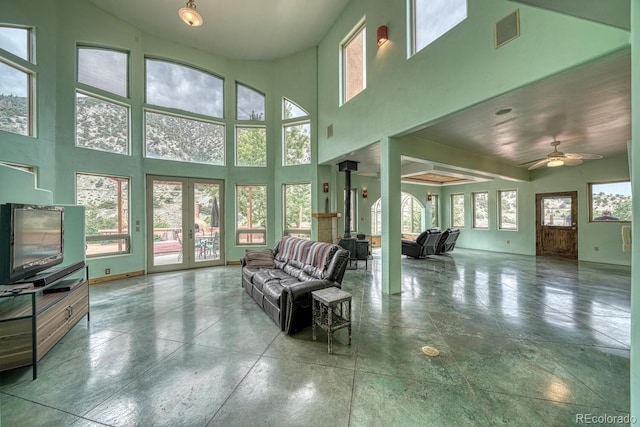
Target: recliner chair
{"type": "Point", "coordinates": [425, 244]}
{"type": "Point", "coordinates": [447, 240]}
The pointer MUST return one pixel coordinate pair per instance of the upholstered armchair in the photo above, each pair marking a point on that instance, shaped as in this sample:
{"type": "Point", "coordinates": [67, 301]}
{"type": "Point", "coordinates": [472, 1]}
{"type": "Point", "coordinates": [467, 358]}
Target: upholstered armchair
{"type": "Point", "coordinates": [425, 244]}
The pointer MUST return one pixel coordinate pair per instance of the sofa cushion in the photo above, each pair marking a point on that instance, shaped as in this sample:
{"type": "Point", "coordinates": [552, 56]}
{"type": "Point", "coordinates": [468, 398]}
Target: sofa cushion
{"type": "Point", "coordinates": [264, 276]}
{"type": "Point", "coordinates": [273, 291]}
{"type": "Point", "coordinates": [259, 258]}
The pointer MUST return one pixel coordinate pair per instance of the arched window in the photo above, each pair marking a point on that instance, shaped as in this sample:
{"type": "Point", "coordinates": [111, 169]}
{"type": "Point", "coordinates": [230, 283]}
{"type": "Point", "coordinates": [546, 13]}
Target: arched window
{"type": "Point", "coordinates": [412, 215]}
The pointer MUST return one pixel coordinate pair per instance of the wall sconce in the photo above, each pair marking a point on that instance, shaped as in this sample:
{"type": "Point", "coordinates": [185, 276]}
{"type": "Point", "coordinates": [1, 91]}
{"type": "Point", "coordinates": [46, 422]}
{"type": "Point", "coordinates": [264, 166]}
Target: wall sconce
{"type": "Point", "coordinates": [365, 194]}
{"type": "Point", "coordinates": [382, 35]}
{"type": "Point", "coordinates": [325, 187]}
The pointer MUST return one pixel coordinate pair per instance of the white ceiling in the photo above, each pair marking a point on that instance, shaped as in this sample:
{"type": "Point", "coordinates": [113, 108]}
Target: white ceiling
{"type": "Point", "coordinates": [238, 29]}
{"type": "Point", "coordinates": [587, 109]}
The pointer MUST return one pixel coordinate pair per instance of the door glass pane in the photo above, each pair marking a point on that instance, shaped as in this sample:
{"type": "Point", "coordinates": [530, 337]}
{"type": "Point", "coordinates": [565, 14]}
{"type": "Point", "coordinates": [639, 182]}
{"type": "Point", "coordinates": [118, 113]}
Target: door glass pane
{"type": "Point", "coordinates": [556, 211]}
{"type": "Point", "coordinates": [207, 218]}
{"type": "Point", "coordinates": [167, 222]}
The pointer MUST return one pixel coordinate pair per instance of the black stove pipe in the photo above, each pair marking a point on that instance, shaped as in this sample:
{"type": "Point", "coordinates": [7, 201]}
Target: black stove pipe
{"type": "Point", "coordinates": [347, 167]}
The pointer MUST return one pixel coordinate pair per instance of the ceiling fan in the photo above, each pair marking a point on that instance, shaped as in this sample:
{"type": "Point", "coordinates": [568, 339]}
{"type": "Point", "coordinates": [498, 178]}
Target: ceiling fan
{"type": "Point", "coordinates": [558, 158]}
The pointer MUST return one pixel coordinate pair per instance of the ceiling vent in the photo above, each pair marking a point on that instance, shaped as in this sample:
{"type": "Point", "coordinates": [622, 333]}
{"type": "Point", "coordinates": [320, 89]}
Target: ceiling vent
{"type": "Point", "coordinates": [507, 29]}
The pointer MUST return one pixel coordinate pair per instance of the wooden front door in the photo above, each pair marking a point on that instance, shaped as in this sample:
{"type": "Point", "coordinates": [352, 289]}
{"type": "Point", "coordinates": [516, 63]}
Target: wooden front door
{"type": "Point", "coordinates": [556, 224]}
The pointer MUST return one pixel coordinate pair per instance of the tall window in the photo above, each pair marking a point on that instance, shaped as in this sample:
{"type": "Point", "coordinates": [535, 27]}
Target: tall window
{"type": "Point", "coordinates": [354, 66]}
{"type": "Point", "coordinates": [181, 105]}
{"type": "Point", "coordinates": [251, 214]}
{"type": "Point", "coordinates": [457, 210]}
{"type": "Point", "coordinates": [433, 18]}
{"type": "Point", "coordinates": [251, 138]}
{"type": "Point", "coordinates": [610, 201]}
{"type": "Point", "coordinates": [481, 210]}
{"type": "Point", "coordinates": [102, 103]}
{"type": "Point", "coordinates": [296, 134]}
{"type": "Point", "coordinates": [435, 207]}
{"type": "Point", "coordinates": [17, 75]}
{"type": "Point", "coordinates": [412, 214]}
{"type": "Point", "coordinates": [297, 210]}
{"type": "Point", "coordinates": [376, 218]}
{"type": "Point", "coordinates": [106, 202]}
{"type": "Point", "coordinates": [508, 209]}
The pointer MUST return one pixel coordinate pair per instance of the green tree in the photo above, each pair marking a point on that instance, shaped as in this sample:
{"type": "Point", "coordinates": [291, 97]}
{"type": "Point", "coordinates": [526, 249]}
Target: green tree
{"type": "Point", "coordinates": [251, 146]}
{"type": "Point", "coordinates": [297, 144]}
{"type": "Point", "coordinates": [298, 206]}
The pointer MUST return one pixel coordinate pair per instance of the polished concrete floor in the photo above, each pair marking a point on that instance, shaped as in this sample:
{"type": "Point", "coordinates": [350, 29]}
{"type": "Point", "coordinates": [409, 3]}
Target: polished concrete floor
{"type": "Point", "coordinates": [523, 341]}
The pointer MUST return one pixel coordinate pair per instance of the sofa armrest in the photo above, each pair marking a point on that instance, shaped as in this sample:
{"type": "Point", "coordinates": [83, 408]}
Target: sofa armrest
{"type": "Point", "coordinates": [302, 289]}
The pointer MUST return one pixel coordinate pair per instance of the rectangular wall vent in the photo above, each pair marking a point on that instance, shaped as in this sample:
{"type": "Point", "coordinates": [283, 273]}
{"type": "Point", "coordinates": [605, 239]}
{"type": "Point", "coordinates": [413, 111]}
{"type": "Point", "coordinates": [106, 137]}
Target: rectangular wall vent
{"type": "Point", "coordinates": [507, 29]}
{"type": "Point", "coordinates": [330, 131]}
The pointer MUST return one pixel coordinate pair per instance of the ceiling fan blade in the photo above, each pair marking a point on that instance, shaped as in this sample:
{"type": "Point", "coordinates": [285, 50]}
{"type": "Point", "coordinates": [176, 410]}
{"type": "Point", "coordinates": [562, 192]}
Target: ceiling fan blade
{"type": "Point", "coordinates": [569, 161]}
{"type": "Point", "coordinates": [583, 156]}
{"type": "Point", "coordinates": [532, 161]}
{"type": "Point", "coordinates": [538, 164]}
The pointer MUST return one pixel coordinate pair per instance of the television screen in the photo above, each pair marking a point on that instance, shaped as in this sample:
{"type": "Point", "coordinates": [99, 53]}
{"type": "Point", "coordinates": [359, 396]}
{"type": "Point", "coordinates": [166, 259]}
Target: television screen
{"type": "Point", "coordinates": [31, 240]}
{"type": "Point", "coordinates": [37, 237]}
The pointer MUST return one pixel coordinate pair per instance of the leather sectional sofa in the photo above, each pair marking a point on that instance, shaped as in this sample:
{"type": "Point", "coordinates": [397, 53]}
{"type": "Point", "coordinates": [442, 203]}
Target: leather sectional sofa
{"type": "Point", "coordinates": [283, 287]}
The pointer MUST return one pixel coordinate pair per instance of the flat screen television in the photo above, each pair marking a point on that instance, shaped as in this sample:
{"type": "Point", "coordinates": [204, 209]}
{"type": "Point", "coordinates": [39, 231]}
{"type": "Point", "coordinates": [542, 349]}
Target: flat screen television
{"type": "Point", "coordinates": [31, 240]}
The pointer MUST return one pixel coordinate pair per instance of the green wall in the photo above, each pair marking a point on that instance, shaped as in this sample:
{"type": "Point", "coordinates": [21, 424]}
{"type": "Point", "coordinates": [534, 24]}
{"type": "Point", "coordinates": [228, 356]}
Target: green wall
{"type": "Point", "coordinates": [63, 24]}
{"type": "Point", "coordinates": [605, 236]}
{"type": "Point", "coordinates": [403, 94]}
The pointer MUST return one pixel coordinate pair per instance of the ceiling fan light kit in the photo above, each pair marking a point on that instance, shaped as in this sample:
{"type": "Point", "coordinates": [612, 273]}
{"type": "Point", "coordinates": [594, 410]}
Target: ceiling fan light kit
{"type": "Point", "coordinates": [558, 158]}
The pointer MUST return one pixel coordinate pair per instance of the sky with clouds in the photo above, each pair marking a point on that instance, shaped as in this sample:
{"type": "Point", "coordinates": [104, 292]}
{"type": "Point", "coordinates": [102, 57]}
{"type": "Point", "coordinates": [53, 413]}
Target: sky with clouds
{"type": "Point", "coordinates": [177, 86]}
{"type": "Point", "coordinates": [13, 81]}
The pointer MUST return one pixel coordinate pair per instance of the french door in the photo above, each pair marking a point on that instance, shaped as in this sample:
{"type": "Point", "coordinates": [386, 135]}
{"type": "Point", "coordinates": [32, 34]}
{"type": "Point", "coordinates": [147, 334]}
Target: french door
{"type": "Point", "coordinates": [184, 223]}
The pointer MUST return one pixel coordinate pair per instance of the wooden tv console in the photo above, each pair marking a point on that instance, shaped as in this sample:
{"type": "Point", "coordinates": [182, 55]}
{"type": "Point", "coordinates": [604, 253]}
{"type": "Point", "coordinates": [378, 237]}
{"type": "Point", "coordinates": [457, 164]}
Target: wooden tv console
{"type": "Point", "coordinates": [33, 319]}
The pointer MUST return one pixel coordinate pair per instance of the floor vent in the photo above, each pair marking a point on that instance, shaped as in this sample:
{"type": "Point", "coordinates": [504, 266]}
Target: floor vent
{"type": "Point", "coordinates": [507, 29]}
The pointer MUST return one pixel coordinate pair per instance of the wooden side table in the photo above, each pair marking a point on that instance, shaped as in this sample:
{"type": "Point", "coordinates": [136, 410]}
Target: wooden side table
{"type": "Point", "coordinates": [331, 310]}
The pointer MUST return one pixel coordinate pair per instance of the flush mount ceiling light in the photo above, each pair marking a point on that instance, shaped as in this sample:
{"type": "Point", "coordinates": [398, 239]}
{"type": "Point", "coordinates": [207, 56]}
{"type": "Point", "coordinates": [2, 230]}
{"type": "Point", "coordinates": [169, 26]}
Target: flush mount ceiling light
{"type": "Point", "coordinates": [189, 14]}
